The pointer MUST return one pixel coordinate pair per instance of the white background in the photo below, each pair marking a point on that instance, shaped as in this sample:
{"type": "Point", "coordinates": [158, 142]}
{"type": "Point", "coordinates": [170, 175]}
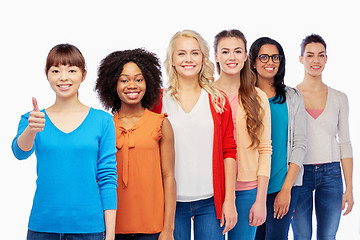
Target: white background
{"type": "Point", "coordinates": [29, 29]}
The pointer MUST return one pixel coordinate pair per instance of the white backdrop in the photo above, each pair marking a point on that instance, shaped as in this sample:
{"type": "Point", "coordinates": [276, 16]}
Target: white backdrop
{"type": "Point", "coordinates": [29, 29]}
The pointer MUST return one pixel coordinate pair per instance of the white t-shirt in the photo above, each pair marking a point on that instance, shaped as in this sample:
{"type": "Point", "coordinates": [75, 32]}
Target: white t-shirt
{"type": "Point", "coordinates": [194, 137]}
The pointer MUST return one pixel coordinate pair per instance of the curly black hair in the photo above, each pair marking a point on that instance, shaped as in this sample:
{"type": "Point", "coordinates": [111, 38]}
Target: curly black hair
{"type": "Point", "coordinates": [109, 72]}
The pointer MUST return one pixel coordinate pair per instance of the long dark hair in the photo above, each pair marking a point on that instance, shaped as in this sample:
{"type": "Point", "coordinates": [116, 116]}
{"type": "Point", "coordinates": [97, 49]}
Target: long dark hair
{"type": "Point", "coordinates": [279, 85]}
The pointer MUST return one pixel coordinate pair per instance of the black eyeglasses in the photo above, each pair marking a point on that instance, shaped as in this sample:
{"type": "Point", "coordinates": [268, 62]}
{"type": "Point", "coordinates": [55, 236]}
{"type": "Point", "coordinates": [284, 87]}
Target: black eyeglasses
{"type": "Point", "coordinates": [264, 58]}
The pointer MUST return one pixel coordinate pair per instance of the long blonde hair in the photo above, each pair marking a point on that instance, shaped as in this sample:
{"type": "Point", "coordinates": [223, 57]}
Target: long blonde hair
{"type": "Point", "coordinates": [206, 75]}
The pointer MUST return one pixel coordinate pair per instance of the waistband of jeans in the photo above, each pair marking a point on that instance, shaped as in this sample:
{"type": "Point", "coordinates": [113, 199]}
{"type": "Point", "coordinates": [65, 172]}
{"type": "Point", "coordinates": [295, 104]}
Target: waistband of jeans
{"type": "Point", "coordinates": [324, 166]}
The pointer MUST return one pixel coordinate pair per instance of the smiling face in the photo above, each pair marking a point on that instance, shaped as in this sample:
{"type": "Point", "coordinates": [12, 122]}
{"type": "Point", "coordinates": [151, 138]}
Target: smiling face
{"type": "Point", "coordinates": [231, 55]}
{"type": "Point", "coordinates": [65, 80]}
{"type": "Point", "coordinates": [187, 57]}
{"type": "Point", "coordinates": [267, 70]}
{"type": "Point", "coordinates": [314, 59]}
{"type": "Point", "coordinates": [131, 86]}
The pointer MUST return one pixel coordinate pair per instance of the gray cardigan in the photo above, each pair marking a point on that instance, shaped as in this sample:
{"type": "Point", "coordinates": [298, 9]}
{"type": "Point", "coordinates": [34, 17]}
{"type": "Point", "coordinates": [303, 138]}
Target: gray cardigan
{"type": "Point", "coordinates": [297, 139]}
{"type": "Point", "coordinates": [329, 135]}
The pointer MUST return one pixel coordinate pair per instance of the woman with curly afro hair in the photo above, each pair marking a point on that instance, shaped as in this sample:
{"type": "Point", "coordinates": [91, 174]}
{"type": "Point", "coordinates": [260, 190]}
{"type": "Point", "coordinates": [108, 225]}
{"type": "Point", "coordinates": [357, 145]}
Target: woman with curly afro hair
{"type": "Point", "coordinates": [129, 83]}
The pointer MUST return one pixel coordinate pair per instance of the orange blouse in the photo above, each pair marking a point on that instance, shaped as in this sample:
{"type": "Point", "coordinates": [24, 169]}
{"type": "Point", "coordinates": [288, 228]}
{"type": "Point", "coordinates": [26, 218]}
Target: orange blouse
{"type": "Point", "coordinates": [140, 187]}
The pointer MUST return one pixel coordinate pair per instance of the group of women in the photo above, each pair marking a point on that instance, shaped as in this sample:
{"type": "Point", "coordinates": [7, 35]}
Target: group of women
{"type": "Point", "coordinates": [241, 155]}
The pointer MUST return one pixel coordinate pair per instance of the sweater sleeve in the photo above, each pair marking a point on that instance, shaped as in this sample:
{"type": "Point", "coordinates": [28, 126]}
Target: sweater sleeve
{"type": "Point", "coordinates": [343, 128]}
{"type": "Point", "coordinates": [157, 107]}
{"type": "Point", "coordinates": [106, 172]}
{"type": "Point", "coordinates": [17, 151]}
{"type": "Point", "coordinates": [265, 148]}
{"type": "Point", "coordinates": [298, 148]}
{"type": "Point", "coordinates": [229, 145]}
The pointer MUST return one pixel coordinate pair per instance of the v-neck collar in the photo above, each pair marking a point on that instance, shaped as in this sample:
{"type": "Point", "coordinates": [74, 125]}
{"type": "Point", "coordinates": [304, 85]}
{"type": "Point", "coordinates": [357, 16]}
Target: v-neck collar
{"type": "Point", "coordinates": [196, 106]}
{"type": "Point", "coordinates": [325, 108]}
{"type": "Point", "coordinates": [47, 118]}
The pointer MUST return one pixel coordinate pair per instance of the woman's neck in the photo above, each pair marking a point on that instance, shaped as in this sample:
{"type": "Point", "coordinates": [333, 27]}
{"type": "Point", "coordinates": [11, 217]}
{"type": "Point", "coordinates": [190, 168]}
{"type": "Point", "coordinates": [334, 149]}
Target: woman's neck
{"type": "Point", "coordinates": [188, 85]}
{"type": "Point", "coordinates": [127, 110]}
{"type": "Point", "coordinates": [67, 105]}
{"type": "Point", "coordinates": [312, 82]}
{"type": "Point", "coordinates": [230, 84]}
{"type": "Point", "coordinates": [266, 85]}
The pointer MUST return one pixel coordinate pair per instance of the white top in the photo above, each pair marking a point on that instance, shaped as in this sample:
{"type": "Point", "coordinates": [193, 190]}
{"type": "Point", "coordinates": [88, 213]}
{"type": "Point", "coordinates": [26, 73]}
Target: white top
{"type": "Point", "coordinates": [194, 136]}
{"type": "Point", "coordinates": [328, 135]}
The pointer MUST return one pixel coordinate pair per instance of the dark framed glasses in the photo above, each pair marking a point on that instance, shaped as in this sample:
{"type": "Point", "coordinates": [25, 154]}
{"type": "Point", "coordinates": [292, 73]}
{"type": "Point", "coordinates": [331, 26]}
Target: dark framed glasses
{"type": "Point", "coordinates": [264, 58]}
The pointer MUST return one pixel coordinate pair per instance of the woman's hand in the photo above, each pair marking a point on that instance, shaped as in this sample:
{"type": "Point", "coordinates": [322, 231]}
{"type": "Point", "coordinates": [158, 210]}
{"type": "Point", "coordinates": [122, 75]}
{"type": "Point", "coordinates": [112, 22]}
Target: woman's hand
{"type": "Point", "coordinates": [257, 214]}
{"type": "Point", "coordinates": [282, 203]}
{"type": "Point", "coordinates": [36, 118]}
{"type": "Point", "coordinates": [36, 124]}
{"type": "Point", "coordinates": [347, 198]}
{"type": "Point", "coordinates": [228, 215]}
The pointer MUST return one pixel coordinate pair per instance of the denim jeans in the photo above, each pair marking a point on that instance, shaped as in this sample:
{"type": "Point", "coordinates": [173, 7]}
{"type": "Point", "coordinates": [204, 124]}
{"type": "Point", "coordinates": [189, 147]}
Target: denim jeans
{"type": "Point", "coordinates": [206, 225]}
{"type": "Point", "coordinates": [273, 228]}
{"type": "Point", "coordinates": [31, 235]}
{"type": "Point", "coordinates": [326, 181]}
{"type": "Point", "coordinates": [242, 230]}
{"type": "Point", "coordinates": [137, 236]}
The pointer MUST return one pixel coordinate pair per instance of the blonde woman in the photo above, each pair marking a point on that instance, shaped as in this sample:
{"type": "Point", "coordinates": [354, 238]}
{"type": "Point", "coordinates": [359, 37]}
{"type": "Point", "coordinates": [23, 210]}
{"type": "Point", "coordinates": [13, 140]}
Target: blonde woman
{"type": "Point", "coordinates": [205, 149]}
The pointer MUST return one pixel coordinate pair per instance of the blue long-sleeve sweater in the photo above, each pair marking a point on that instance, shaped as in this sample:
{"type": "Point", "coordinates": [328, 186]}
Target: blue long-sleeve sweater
{"type": "Point", "coordinates": [76, 174]}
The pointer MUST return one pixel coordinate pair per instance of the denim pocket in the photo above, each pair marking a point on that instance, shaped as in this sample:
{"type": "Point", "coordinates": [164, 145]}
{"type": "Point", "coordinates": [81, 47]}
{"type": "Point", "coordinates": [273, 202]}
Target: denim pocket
{"type": "Point", "coordinates": [335, 171]}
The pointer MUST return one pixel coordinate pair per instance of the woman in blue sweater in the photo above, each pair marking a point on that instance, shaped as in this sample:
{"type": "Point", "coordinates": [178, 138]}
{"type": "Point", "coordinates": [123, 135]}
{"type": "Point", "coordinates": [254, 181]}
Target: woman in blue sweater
{"type": "Point", "coordinates": [74, 144]}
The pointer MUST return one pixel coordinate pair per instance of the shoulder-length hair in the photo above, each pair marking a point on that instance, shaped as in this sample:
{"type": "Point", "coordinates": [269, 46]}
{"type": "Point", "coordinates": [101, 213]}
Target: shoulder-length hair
{"type": "Point", "coordinates": [109, 72]}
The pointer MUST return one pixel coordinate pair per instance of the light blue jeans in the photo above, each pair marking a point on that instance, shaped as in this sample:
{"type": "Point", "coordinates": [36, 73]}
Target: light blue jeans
{"type": "Point", "coordinates": [31, 235]}
{"type": "Point", "coordinates": [326, 182]}
{"type": "Point", "coordinates": [242, 230]}
{"type": "Point", "coordinates": [206, 225]}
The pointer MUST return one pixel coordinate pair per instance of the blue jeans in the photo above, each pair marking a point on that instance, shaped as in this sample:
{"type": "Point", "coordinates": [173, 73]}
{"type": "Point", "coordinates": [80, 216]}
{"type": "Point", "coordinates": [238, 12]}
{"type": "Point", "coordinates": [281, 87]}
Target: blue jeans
{"type": "Point", "coordinates": [206, 225]}
{"type": "Point", "coordinates": [137, 236]}
{"type": "Point", "coordinates": [326, 181]}
{"type": "Point", "coordinates": [31, 235]}
{"type": "Point", "coordinates": [242, 230]}
{"type": "Point", "coordinates": [273, 228]}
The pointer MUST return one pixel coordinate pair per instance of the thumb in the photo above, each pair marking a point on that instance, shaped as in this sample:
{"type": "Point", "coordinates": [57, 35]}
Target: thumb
{"type": "Point", "coordinates": [251, 216]}
{"type": "Point", "coordinates": [343, 204]}
{"type": "Point", "coordinates": [222, 220]}
{"type": "Point", "coordinates": [35, 104]}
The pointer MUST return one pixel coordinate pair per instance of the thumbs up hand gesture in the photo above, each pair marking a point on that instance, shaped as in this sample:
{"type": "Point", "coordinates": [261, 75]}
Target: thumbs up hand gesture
{"type": "Point", "coordinates": [36, 118]}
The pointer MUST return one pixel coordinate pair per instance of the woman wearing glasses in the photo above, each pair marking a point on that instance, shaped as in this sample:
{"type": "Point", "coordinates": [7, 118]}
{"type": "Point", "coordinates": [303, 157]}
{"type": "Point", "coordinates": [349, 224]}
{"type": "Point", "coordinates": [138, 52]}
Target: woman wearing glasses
{"type": "Point", "coordinates": [288, 136]}
{"type": "Point", "coordinates": [329, 145]}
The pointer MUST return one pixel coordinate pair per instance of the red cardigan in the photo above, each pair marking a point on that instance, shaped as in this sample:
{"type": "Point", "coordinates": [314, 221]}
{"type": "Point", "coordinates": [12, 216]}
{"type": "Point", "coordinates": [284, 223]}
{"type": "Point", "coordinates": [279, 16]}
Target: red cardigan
{"type": "Point", "coordinates": [224, 147]}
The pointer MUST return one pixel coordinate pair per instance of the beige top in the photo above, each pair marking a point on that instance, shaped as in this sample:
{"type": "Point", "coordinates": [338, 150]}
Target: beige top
{"type": "Point", "coordinates": [254, 162]}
